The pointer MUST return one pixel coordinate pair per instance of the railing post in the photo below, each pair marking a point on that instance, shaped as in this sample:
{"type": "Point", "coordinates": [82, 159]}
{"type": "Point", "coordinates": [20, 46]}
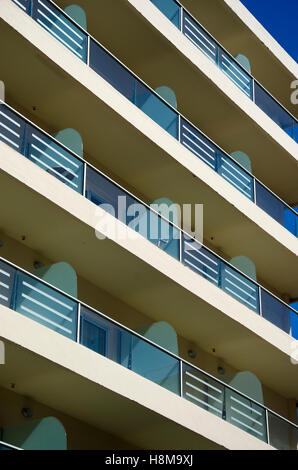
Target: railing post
{"type": "Point", "coordinates": [179, 127]}
{"type": "Point", "coordinates": [181, 19]}
{"type": "Point", "coordinates": [253, 89]}
{"type": "Point", "coordinates": [254, 189]}
{"type": "Point", "coordinates": [267, 426]}
{"type": "Point", "coordinates": [84, 178]}
{"type": "Point", "coordinates": [180, 247]}
{"type": "Point", "coordinates": [88, 50]}
{"type": "Point", "coordinates": [181, 377]}
{"type": "Point", "coordinates": [260, 301]}
{"type": "Point", "coordinates": [78, 322]}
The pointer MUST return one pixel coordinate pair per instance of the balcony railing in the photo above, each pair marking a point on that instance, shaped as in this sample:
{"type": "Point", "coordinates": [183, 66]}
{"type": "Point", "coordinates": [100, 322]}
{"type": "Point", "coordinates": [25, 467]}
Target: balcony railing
{"type": "Point", "coordinates": [203, 40]}
{"type": "Point", "coordinates": [49, 306]}
{"type": "Point", "coordinates": [5, 445]}
{"type": "Point", "coordinates": [59, 161]}
{"type": "Point", "coordinates": [63, 28]}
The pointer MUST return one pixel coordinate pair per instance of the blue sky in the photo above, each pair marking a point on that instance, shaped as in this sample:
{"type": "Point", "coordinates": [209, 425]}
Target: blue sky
{"type": "Point", "coordinates": [280, 18]}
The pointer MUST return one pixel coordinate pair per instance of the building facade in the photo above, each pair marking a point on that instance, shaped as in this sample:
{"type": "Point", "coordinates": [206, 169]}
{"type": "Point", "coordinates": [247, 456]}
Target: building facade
{"type": "Point", "coordinates": [148, 237]}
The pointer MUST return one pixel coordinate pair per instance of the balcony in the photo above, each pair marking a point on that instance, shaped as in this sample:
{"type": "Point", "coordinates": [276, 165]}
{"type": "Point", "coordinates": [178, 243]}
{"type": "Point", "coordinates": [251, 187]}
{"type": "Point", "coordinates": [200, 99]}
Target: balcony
{"type": "Point", "coordinates": [203, 40]}
{"type": "Point", "coordinates": [62, 27]}
{"type": "Point", "coordinates": [49, 306]}
{"type": "Point", "coordinates": [59, 161]}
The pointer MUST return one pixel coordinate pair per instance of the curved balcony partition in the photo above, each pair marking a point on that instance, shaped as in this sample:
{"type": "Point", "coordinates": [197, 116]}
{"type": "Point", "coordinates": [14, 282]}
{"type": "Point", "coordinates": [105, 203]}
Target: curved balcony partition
{"type": "Point", "coordinates": [49, 306]}
{"type": "Point", "coordinates": [69, 33]}
{"type": "Point", "coordinates": [203, 40]}
{"type": "Point", "coordinates": [59, 161]}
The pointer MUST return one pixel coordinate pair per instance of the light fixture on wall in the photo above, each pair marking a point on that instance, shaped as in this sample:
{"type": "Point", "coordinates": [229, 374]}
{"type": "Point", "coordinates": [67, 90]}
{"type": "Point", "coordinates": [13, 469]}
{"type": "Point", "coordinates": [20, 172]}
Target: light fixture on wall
{"type": "Point", "coordinates": [27, 412]}
{"type": "Point", "coordinates": [38, 264]}
{"type": "Point", "coordinates": [221, 370]}
{"type": "Point", "coordinates": [191, 353]}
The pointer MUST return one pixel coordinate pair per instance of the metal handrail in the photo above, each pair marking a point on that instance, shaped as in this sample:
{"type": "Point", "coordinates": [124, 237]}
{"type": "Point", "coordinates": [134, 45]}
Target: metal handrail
{"type": "Point", "coordinates": [138, 335]}
{"type": "Point", "coordinates": [234, 59]}
{"type": "Point", "coordinates": [181, 230]}
{"type": "Point", "coordinates": [178, 113]}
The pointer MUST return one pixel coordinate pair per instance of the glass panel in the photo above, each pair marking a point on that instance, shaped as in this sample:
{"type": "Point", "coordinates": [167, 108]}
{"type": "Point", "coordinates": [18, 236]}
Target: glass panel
{"type": "Point", "coordinates": [169, 8]}
{"type": "Point", "coordinates": [291, 221]}
{"type": "Point", "coordinates": [7, 274]}
{"type": "Point", "coordinates": [112, 71]}
{"type": "Point", "coordinates": [192, 139]}
{"type": "Point", "coordinates": [275, 311]}
{"type": "Point", "coordinates": [200, 260]}
{"type": "Point", "coordinates": [276, 208]}
{"type": "Point", "coordinates": [246, 415]}
{"type": "Point", "coordinates": [12, 129]}
{"type": "Point", "coordinates": [235, 73]}
{"type": "Point", "coordinates": [7, 447]}
{"type": "Point", "coordinates": [132, 352]}
{"type": "Point", "coordinates": [274, 110]}
{"type": "Point", "coordinates": [239, 287]}
{"type": "Point", "coordinates": [199, 37]}
{"type": "Point", "coordinates": [282, 435]}
{"type": "Point", "coordinates": [45, 305]}
{"type": "Point", "coordinates": [54, 159]}
{"type": "Point", "coordinates": [234, 174]}
{"type": "Point", "coordinates": [57, 24]}
{"type": "Point", "coordinates": [203, 390]}
{"type": "Point", "coordinates": [130, 211]}
{"type": "Point", "coordinates": [156, 109]}
{"type": "Point", "coordinates": [24, 4]}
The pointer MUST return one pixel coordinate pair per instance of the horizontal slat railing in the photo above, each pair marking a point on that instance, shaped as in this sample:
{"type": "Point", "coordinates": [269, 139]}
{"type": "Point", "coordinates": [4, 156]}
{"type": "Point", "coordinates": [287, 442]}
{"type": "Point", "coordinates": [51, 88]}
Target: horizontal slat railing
{"type": "Point", "coordinates": [60, 162]}
{"type": "Point", "coordinates": [63, 28]}
{"type": "Point", "coordinates": [62, 313]}
{"type": "Point", "coordinates": [203, 40]}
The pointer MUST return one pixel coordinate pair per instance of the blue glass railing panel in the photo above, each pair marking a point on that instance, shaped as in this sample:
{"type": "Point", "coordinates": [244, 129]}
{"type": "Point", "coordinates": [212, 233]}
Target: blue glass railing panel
{"type": "Point", "coordinates": [235, 175]}
{"type": "Point", "coordinates": [276, 208]}
{"type": "Point", "coordinates": [239, 287]}
{"type": "Point", "coordinates": [54, 159]}
{"type": "Point", "coordinates": [7, 275]}
{"type": "Point", "coordinates": [204, 149]}
{"type": "Point", "coordinates": [156, 109]}
{"type": "Point", "coordinates": [212, 268]}
{"type": "Point", "coordinates": [199, 37]}
{"type": "Point", "coordinates": [245, 414]}
{"type": "Point", "coordinates": [111, 70]}
{"type": "Point", "coordinates": [282, 434]}
{"type": "Point", "coordinates": [203, 391]}
{"type": "Point", "coordinates": [275, 311]}
{"type": "Point", "coordinates": [24, 4]}
{"type": "Point", "coordinates": [213, 396]}
{"type": "Point", "coordinates": [200, 260]}
{"type": "Point", "coordinates": [274, 110]}
{"type": "Point", "coordinates": [40, 149]}
{"type": "Point", "coordinates": [129, 210]}
{"type": "Point", "coordinates": [12, 129]}
{"type": "Point", "coordinates": [57, 24]}
{"type": "Point", "coordinates": [132, 352]}
{"type": "Point", "coordinates": [170, 9]}
{"type": "Point", "coordinates": [235, 72]}
{"type": "Point", "coordinates": [194, 141]}
{"type": "Point", "coordinates": [45, 305]}
{"type": "Point", "coordinates": [124, 81]}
